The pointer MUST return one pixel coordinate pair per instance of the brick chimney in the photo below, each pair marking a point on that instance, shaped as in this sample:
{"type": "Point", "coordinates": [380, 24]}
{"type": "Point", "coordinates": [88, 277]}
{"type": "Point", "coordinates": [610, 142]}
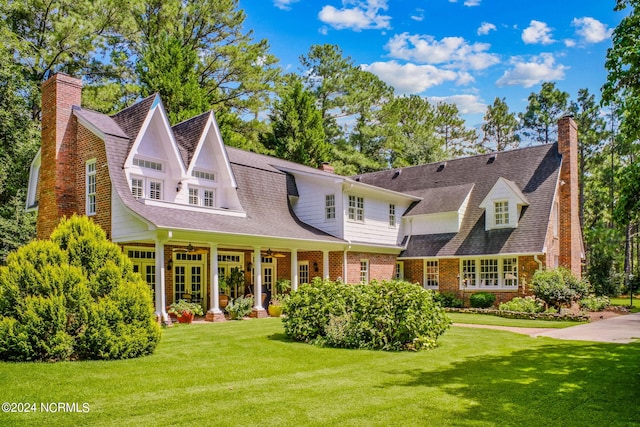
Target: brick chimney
{"type": "Point", "coordinates": [57, 186]}
{"type": "Point", "coordinates": [326, 167]}
{"type": "Point", "coordinates": [570, 233]}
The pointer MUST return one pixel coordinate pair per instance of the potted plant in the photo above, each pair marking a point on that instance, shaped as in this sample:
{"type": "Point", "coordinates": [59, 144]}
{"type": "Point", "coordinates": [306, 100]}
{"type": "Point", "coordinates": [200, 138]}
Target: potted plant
{"type": "Point", "coordinates": [275, 307]}
{"type": "Point", "coordinates": [185, 310]}
{"type": "Point", "coordinates": [240, 307]}
{"type": "Point", "coordinates": [283, 286]}
{"type": "Point", "coordinates": [223, 288]}
{"type": "Point", "coordinates": [235, 280]}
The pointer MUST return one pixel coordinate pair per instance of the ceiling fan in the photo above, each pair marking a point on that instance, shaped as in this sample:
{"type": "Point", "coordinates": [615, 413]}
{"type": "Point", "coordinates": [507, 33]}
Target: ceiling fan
{"type": "Point", "coordinates": [190, 249]}
{"type": "Point", "coordinates": [270, 253]}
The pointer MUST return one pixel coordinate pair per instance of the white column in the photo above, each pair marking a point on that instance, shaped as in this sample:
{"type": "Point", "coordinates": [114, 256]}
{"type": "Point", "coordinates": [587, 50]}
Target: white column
{"type": "Point", "coordinates": [325, 264]}
{"type": "Point", "coordinates": [215, 291]}
{"type": "Point", "coordinates": [257, 281]}
{"type": "Point", "coordinates": [294, 270]}
{"type": "Point", "coordinates": [161, 298]}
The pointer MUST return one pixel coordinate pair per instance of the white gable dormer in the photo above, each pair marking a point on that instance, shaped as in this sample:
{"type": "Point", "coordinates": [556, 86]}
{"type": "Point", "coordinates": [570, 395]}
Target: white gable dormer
{"type": "Point", "coordinates": [210, 181]}
{"type": "Point", "coordinates": [503, 205]}
{"type": "Point", "coordinates": [154, 167]}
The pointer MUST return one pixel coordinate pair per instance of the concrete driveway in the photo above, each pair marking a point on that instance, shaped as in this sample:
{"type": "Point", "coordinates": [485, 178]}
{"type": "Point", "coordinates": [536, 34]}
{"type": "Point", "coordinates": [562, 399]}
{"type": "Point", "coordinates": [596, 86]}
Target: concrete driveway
{"type": "Point", "coordinates": [620, 329]}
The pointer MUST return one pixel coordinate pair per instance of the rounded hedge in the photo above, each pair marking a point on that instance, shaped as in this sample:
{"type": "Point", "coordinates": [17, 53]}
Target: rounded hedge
{"type": "Point", "coordinates": [391, 315]}
{"type": "Point", "coordinates": [72, 297]}
{"type": "Point", "coordinates": [482, 300]}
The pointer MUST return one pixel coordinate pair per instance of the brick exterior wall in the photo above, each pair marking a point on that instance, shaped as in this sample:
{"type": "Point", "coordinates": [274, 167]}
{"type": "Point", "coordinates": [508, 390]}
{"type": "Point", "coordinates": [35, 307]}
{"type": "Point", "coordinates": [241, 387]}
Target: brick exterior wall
{"type": "Point", "coordinates": [57, 189]}
{"type": "Point", "coordinates": [381, 266]}
{"type": "Point", "coordinates": [570, 241]}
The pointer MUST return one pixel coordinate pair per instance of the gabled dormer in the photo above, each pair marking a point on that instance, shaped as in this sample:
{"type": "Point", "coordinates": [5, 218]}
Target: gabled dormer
{"type": "Point", "coordinates": [209, 180]}
{"type": "Point", "coordinates": [503, 205]}
{"type": "Point", "coordinates": [154, 167]}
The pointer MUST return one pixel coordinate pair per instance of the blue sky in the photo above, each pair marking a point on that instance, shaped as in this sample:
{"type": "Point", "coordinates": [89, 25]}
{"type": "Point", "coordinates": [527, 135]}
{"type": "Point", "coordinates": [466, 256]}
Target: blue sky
{"type": "Point", "coordinates": [462, 51]}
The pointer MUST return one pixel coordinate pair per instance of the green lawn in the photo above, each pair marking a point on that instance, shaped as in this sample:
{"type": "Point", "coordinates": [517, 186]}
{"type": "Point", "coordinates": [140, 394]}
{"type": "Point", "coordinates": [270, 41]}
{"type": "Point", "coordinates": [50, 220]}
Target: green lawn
{"type": "Point", "coordinates": [624, 301]}
{"type": "Point", "coordinates": [247, 373]}
{"type": "Point", "coordinates": [487, 319]}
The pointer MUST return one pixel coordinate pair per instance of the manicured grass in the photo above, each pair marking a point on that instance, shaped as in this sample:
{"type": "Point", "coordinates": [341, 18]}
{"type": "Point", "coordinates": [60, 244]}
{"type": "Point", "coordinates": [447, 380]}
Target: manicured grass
{"type": "Point", "coordinates": [624, 301]}
{"type": "Point", "coordinates": [247, 373]}
{"type": "Point", "coordinates": [487, 319]}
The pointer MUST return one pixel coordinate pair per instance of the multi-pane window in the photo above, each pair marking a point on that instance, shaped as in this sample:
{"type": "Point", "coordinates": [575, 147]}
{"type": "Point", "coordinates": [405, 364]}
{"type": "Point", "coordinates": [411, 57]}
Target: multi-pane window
{"type": "Point", "coordinates": [356, 208]}
{"type": "Point", "coordinates": [364, 271]}
{"type": "Point", "coordinates": [209, 176]}
{"type": "Point", "coordinates": [208, 198]}
{"type": "Point", "coordinates": [392, 215]}
{"type": "Point", "coordinates": [137, 188]}
{"type": "Point", "coordinates": [432, 274]}
{"type": "Point", "coordinates": [399, 275]}
{"type": "Point", "coordinates": [193, 196]}
{"type": "Point", "coordinates": [147, 164]}
{"type": "Point", "coordinates": [468, 272]}
{"type": "Point", "coordinates": [91, 187]}
{"type": "Point", "coordinates": [489, 272]}
{"type": "Point", "coordinates": [303, 272]}
{"type": "Point", "coordinates": [501, 212]}
{"type": "Point", "coordinates": [330, 206]}
{"type": "Point", "coordinates": [155, 190]}
{"type": "Point", "coordinates": [510, 272]}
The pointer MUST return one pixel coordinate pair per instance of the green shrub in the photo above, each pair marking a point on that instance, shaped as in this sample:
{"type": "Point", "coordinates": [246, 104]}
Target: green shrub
{"type": "Point", "coordinates": [388, 316]}
{"type": "Point", "coordinates": [74, 297]}
{"type": "Point", "coordinates": [559, 287]}
{"type": "Point", "coordinates": [594, 303]}
{"type": "Point", "coordinates": [482, 300]}
{"type": "Point", "coordinates": [448, 299]}
{"type": "Point", "coordinates": [523, 305]}
{"type": "Point", "coordinates": [240, 307]}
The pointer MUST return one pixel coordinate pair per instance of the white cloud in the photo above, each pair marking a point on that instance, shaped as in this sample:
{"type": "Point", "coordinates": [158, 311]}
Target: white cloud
{"type": "Point", "coordinates": [591, 30]}
{"type": "Point", "coordinates": [410, 78]}
{"type": "Point", "coordinates": [363, 16]}
{"type": "Point", "coordinates": [541, 68]}
{"type": "Point", "coordinates": [569, 42]}
{"type": "Point", "coordinates": [471, 3]}
{"type": "Point", "coordinates": [467, 104]}
{"type": "Point", "coordinates": [419, 16]}
{"type": "Point", "coordinates": [455, 51]}
{"type": "Point", "coordinates": [284, 4]}
{"type": "Point", "coordinates": [537, 33]}
{"type": "Point", "coordinates": [485, 28]}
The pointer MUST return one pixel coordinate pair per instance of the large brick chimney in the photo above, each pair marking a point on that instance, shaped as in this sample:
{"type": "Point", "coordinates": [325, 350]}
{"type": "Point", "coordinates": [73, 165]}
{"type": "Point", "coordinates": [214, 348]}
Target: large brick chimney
{"type": "Point", "coordinates": [570, 233]}
{"type": "Point", "coordinates": [57, 185]}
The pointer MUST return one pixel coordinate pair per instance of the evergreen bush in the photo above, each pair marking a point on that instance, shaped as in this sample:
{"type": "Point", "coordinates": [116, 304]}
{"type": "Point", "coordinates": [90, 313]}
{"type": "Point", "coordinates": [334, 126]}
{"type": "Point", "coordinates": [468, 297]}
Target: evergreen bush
{"type": "Point", "coordinates": [448, 299]}
{"type": "Point", "coordinates": [74, 296]}
{"type": "Point", "coordinates": [482, 300]}
{"type": "Point", "coordinates": [390, 315]}
{"type": "Point", "coordinates": [559, 287]}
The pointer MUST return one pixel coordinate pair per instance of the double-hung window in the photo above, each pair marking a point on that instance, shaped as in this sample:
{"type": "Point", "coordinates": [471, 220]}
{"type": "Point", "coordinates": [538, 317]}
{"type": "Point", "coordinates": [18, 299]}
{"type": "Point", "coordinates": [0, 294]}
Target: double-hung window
{"type": "Point", "coordinates": [489, 272]}
{"type": "Point", "coordinates": [432, 274]}
{"type": "Point", "coordinates": [137, 188]}
{"type": "Point", "coordinates": [330, 206]}
{"type": "Point", "coordinates": [201, 197]}
{"type": "Point", "coordinates": [91, 189]}
{"type": "Point", "coordinates": [356, 208]}
{"type": "Point", "coordinates": [392, 215]}
{"type": "Point", "coordinates": [155, 190]}
{"type": "Point", "coordinates": [501, 210]}
{"type": "Point", "coordinates": [364, 271]}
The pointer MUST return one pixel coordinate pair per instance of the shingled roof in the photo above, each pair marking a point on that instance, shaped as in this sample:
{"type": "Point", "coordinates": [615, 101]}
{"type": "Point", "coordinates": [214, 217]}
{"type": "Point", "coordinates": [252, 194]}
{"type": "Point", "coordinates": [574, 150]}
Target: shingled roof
{"type": "Point", "coordinates": [534, 170]}
{"type": "Point", "coordinates": [262, 188]}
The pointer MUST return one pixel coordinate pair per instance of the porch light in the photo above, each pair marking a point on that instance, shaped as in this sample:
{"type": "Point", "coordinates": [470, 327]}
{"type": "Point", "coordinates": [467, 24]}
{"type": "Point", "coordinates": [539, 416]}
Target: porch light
{"type": "Point", "coordinates": [179, 187]}
{"type": "Point", "coordinates": [170, 265]}
{"type": "Point", "coordinates": [315, 266]}
{"type": "Point", "coordinates": [249, 266]}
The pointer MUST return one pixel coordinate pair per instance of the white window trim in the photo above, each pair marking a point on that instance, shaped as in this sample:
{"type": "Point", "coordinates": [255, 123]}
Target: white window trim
{"type": "Point", "coordinates": [426, 274]}
{"type": "Point", "coordinates": [393, 216]}
{"type": "Point", "coordinates": [355, 209]}
{"type": "Point", "coordinates": [201, 196]}
{"type": "Point", "coordinates": [300, 273]}
{"type": "Point", "coordinates": [329, 208]}
{"type": "Point", "coordinates": [150, 181]}
{"type": "Point", "coordinates": [501, 274]}
{"type": "Point", "coordinates": [399, 272]}
{"type": "Point", "coordinates": [365, 274]}
{"type": "Point", "coordinates": [91, 201]}
{"type": "Point", "coordinates": [509, 222]}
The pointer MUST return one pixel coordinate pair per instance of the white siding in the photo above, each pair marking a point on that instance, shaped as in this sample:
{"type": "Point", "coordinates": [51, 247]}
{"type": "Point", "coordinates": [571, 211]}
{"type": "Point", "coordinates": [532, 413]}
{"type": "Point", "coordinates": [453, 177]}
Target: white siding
{"type": "Point", "coordinates": [123, 223]}
{"type": "Point", "coordinates": [447, 222]}
{"type": "Point", "coordinates": [310, 205]}
{"type": "Point", "coordinates": [375, 228]}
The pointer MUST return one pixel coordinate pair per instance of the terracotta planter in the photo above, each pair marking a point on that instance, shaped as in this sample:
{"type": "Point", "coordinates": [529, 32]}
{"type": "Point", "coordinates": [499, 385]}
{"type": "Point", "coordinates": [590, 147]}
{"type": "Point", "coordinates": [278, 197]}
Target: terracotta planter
{"type": "Point", "coordinates": [275, 310]}
{"type": "Point", "coordinates": [223, 301]}
{"type": "Point", "coordinates": [185, 317]}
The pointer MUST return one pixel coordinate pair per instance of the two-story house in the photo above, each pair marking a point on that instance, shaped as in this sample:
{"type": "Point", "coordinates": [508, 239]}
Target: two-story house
{"type": "Point", "coordinates": [187, 209]}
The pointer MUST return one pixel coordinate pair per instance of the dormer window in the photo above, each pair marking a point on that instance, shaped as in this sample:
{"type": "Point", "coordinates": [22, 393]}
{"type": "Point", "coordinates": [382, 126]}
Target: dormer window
{"type": "Point", "coordinates": [146, 188]}
{"type": "Point", "coordinates": [202, 197]}
{"type": "Point", "coordinates": [147, 164]}
{"type": "Point", "coordinates": [501, 211]}
{"type": "Point", "coordinates": [209, 176]}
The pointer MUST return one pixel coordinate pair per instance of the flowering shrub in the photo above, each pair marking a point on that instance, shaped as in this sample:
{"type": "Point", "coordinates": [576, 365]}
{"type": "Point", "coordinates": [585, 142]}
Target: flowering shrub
{"type": "Point", "coordinates": [391, 315]}
{"type": "Point", "coordinates": [523, 305]}
{"type": "Point", "coordinates": [559, 287]}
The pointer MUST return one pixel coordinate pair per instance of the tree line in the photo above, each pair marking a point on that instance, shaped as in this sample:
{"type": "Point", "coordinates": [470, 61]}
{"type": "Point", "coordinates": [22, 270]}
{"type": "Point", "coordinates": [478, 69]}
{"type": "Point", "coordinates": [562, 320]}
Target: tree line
{"type": "Point", "coordinates": [198, 56]}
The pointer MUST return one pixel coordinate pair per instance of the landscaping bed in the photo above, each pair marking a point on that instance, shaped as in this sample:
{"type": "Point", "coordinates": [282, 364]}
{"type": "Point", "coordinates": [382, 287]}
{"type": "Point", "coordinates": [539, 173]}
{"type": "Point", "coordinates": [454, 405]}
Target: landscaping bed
{"type": "Point", "coordinates": [558, 317]}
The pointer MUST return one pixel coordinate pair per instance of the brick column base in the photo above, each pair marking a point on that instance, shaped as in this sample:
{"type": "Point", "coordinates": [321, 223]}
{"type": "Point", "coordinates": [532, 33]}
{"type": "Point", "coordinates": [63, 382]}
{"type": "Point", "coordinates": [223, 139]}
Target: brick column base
{"type": "Point", "coordinates": [259, 314]}
{"type": "Point", "coordinates": [210, 316]}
